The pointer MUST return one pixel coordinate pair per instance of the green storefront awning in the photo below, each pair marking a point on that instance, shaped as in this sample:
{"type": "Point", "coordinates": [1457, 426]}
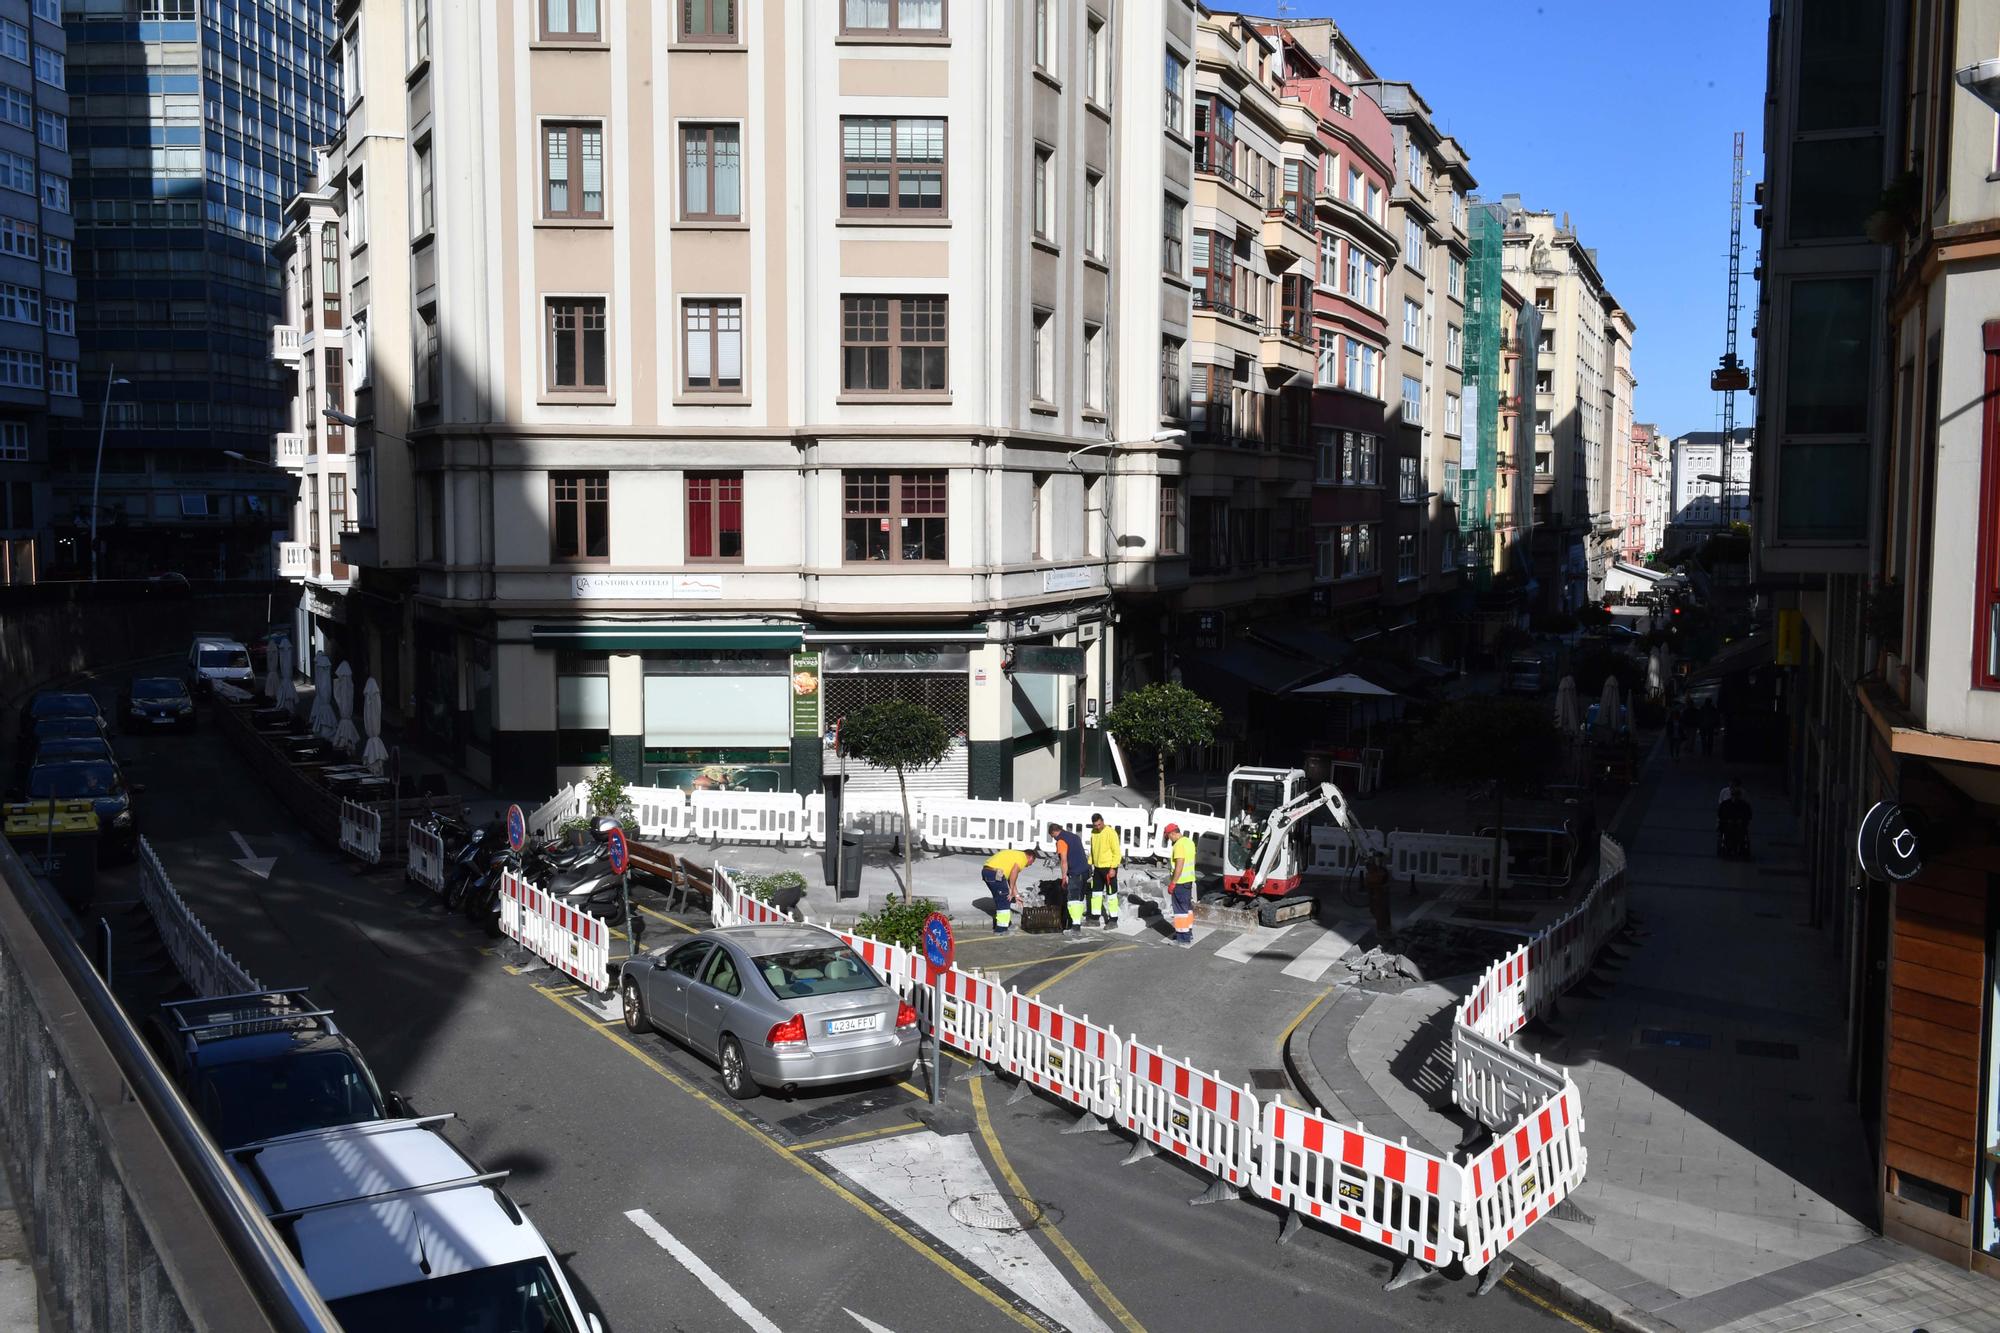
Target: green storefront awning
{"type": "Point", "coordinates": [637, 636]}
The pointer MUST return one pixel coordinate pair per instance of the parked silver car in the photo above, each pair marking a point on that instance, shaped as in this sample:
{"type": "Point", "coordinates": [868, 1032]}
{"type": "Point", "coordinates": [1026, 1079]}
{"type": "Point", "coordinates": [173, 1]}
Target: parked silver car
{"type": "Point", "coordinates": [779, 1007]}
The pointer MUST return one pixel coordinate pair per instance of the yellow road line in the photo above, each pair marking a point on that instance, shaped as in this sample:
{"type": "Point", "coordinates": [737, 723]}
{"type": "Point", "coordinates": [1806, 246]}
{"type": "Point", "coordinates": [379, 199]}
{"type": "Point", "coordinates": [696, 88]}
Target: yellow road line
{"type": "Point", "coordinates": [835, 1142]}
{"type": "Point", "coordinates": [1087, 958]}
{"type": "Point", "coordinates": [662, 916]}
{"type": "Point", "coordinates": [909, 1238]}
{"type": "Point", "coordinates": [1052, 958]}
{"type": "Point", "coordinates": [1304, 1014]}
{"type": "Point", "coordinates": [1046, 1227]}
{"type": "Point", "coordinates": [1556, 1310]}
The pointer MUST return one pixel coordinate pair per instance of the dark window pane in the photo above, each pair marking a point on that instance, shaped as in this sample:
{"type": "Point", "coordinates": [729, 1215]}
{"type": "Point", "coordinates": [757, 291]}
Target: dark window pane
{"type": "Point", "coordinates": [1840, 64]}
{"type": "Point", "coordinates": [597, 529]}
{"type": "Point", "coordinates": [1826, 372]}
{"type": "Point", "coordinates": [1836, 184]}
{"type": "Point", "coordinates": [593, 357]}
{"type": "Point", "coordinates": [1823, 491]}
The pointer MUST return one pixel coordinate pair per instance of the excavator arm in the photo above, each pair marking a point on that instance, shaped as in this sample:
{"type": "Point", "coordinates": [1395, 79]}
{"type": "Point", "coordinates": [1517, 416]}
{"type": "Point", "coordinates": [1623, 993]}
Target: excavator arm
{"type": "Point", "coordinates": [1278, 829]}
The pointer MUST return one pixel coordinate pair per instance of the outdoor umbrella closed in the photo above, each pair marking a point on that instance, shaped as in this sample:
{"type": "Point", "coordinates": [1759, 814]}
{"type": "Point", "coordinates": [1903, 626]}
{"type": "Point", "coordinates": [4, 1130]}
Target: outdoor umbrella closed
{"type": "Point", "coordinates": [287, 696]}
{"type": "Point", "coordinates": [271, 665]}
{"type": "Point", "coordinates": [1607, 706]}
{"type": "Point", "coordinates": [1656, 672]}
{"type": "Point", "coordinates": [374, 753]}
{"type": "Point", "coordinates": [345, 737]}
{"type": "Point", "coordinates": [1569, 719]}
{"type": "Point", "coordinates": [322, 711]}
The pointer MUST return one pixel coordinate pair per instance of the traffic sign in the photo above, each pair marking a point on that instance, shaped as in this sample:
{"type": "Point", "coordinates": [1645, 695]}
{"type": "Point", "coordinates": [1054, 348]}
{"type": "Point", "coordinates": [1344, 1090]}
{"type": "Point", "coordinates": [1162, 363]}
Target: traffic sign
{"type": "Point", "coordinates": [938, 941]}
{"type": "Point", "coordinates": [517, 828]}
{"type": "Point", "coordinates": [614, 842]}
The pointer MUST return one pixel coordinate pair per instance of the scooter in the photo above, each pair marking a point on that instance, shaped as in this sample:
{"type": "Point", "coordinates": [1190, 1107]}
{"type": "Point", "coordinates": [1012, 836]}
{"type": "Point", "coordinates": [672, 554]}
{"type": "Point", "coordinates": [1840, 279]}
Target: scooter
{"type": "Point", "coordinates": [482, 899]}
{"type": "Point", "coordinates": [1732, 837]}
{"type": "Point", "coordinates": [464, 868]}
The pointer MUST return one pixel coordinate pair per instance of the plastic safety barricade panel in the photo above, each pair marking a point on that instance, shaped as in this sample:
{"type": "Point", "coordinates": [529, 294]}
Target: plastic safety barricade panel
{"type": "Point", "coordinates": [892, 962]}
{"type": "Point", "coordinates": [1444, 858]}
{"type": "Point", "coordinates": [975, 826]}
{"type": "Point", "coordinates": [426, 857]}
{"type": "Point", "coordinates": [1386, 1193]}
{"type": "Point", "coordinates": [1527, 1172]}
{"type": "Point", "coordinates": [662, 812]}
{"type": "Point", "coordinates": [1209, 1124]}
{"type": "Point", "coordinates": [579, 944]}
{"type": "Point", "coordinates": [1136, 830]}
{"type": "Point", "coordinates": [1070, 1057]}
{"type": "Point", "coordinates": [972, 1015]}
{"type": "Point", "coordinates": [756, 817]}
{"type": "Point", "coordinates": [361, 831]}
{"type": "Point", "coordinates": [1194, 825]}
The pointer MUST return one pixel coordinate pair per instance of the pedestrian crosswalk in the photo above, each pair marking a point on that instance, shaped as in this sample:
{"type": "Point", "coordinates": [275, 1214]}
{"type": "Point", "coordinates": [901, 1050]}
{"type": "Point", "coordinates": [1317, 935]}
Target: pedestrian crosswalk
{"type": "Point", "coordinates": [1303, 950]}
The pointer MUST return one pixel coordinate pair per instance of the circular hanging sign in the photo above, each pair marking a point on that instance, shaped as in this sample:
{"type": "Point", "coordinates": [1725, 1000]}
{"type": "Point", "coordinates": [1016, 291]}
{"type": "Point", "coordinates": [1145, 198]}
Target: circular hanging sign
{"type": "Point", "coordinates": [938, 942]}
{"type": "Point", "coordinates": [621, 856]}
{"type": "Point", "coordinates": [517, 828]}
{"type": "Point", "coordinates": [1887, 843]}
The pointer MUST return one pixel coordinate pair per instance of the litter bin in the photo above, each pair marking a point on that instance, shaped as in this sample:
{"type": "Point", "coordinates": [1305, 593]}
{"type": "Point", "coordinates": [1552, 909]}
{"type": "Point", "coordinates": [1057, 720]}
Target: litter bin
{"type": "Point", "coordinates": [850, 866]}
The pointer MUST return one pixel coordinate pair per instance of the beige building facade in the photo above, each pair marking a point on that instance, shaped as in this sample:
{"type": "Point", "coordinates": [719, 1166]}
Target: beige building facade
{"type": "Point", "coordinates": [739, 345]}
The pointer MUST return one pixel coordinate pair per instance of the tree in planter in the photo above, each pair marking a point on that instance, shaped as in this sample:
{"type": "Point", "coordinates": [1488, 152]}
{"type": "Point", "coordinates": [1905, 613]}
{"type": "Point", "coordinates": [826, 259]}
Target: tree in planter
{"type": "Point", "coordinates": [605, 795]}
{"type": "Point", "coordinates": [898, 734]}
{"type": "Point", "coordinates": [1162, 718]}
{"type": "Point", "coordinates": [1507, 742]}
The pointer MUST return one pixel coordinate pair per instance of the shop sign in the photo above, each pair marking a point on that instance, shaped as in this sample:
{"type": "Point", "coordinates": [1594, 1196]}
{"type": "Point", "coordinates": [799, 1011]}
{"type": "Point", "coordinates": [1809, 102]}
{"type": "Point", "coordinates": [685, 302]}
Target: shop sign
{"type": "Point", "coordinates": [680, 587]}
{"type": "Point", "coordinates": [1210, 631]}
{"type": "Point", "coordinates": [1040, 660]}
{"type": "Point", "coordinates": [930, 659]}
{"type": "Point", "coordinates": [324, 607]}
{"type": "Point", "coordinates": [805, 694]}
{"type": "Point", "coordinates": [1070, 579]}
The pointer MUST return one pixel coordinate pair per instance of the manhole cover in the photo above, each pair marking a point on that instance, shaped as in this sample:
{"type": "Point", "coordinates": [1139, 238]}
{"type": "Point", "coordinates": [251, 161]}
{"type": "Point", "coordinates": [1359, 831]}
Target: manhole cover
{"type": "Point", "coordinates": [997, 1212]}
{"type": "Point", "coordinates": [1270, 1080]}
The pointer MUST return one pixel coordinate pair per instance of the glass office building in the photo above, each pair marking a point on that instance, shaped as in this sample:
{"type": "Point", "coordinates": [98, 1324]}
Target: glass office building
{"type": "Point", "coordinates": [193, 122]}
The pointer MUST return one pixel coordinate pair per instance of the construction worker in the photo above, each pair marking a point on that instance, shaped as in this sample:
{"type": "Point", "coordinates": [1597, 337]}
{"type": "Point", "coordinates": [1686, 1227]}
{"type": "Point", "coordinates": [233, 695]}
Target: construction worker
{"type": "Point", "coordinates": [1182, 880]}
{"type": "Point", "coordinates": [1070, 860]}
{"type": "Point", "coordinates": [1000, 872]}
{"type": "Point", "coordinates": [1107, 853]}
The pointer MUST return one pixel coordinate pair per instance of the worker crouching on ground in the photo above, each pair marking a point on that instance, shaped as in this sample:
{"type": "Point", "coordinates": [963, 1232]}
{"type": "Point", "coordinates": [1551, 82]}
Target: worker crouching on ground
{"type": "Point", "coordinates": [1070, 861]}
{"type": "Point", "coordinates": [1107, 853]}
{"type": "Point", "coordinates": [1182, 880]}
{"type": "Point", "coordinates": [1001, 872]}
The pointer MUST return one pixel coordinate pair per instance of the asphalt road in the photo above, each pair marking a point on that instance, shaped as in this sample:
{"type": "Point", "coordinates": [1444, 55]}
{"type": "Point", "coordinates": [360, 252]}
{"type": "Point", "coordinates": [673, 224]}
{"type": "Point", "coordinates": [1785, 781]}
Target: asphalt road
{"type": "Point", "coordinates": [675, 1207]}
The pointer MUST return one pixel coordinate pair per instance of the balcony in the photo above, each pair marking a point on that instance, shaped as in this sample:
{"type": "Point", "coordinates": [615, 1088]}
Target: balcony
{"type": "Point", "coordinates": [1287, 240]}
{"type": "Point", "coordinates": [287, 343]}
{"type": "Point", "coordinates": [1286, 353]}
{"type": "Point", "coordinates": [295, 560]}
{"type": "Point", "coordinates": [292, 449]}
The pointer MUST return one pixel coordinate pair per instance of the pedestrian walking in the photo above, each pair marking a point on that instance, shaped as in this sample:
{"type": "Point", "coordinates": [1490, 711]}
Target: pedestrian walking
{"type": "Point", "coordinates": [1182, 880]}
{"type": "Point", "coordinates": [1002, 872]}
{"type": "Point", "coordinates": [1711, 721]}
{"type": "Point", "coordinates": [1675, 726]}
{"type": "Point", "coordinates": [1107, 853]}
{"type": "Point", "coordinates": [1071, 861]}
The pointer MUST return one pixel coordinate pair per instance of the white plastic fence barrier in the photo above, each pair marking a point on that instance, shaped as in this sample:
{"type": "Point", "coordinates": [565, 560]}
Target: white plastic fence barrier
{"type": "Point", "coordinates": [569, 803]}
{"type": "Point", "coordinates": [945, 824]}
{"type": "Point", "coordinates": [1493, 1084]}
{"type": "Point", "coordinates": [1333, 851]}
{"type": "Point", "coordinates": [1211, 1125]}
{"type": "Point", "coordinates": [203, 963]}
{"type": "Point", "coordinates": [1071, 1058]}
{"type": "Point", "coordinates": [571, 941]}
{"type": "Point", "coordinates": [1193, 824]}
{"type": "Point", "coordinates": [757, 817]}
{"type": "Point", "coordinates": [972, 1015]}
{"type": "Point", "coordinates": [1531, 1169]}
{"type": "Point", "coordinates": [576, 943]}
{"type": "Point", "coordinates": [1445, 859]}
{"type": "Point", "coordinates": [361, 831]}
{"type": "Point", "coordinates": [662, 812]}
{"type": "Point", "coordinates": [731, 905]}
{"type": "Point", "coordinates": [1389, 1194]}
{"type": "Point", "coordinates": [1136, 830]}
{"type": "Point", "coordinates": [426, 857]}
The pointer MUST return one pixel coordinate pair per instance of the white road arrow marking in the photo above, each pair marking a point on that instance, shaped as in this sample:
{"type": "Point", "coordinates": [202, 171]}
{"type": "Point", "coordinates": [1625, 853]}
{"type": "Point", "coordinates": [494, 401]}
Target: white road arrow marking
{"type": "Point", "coordinates": [922, 1175]}
{"type": "Point", "coordinates": [260, 866]}
{"type": "Point", "coordinates": [866, 1322]}
{"type": "Point", "coordinates": [708, 1277]}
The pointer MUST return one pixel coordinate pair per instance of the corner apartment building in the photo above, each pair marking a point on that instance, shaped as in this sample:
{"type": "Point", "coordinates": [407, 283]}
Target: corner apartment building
{"type": "Point", "coordinates": [752, 366]}
{"type": "Point", "coordinates": [196, 124]}
{"type": "Point", "coordinates": [1706, 498]}
{"type": "Point", "coordinates": [38, 350]}
{"type": "Point", "coordinates": [1544, 256]}
{"type": "Point", "coordinates": [1876, 512]}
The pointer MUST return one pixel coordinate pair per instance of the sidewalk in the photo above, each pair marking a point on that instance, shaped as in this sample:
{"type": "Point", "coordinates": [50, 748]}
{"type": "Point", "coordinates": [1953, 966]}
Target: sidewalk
{"type": "Point", "coordinates": [1728, 1172]}
{"type": "Point", "coordinates": [19, 1311]}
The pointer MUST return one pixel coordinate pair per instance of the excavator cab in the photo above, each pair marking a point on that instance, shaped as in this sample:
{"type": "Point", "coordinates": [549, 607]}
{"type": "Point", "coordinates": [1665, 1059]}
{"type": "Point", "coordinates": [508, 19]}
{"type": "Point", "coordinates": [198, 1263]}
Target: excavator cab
{"type": "Point", "coordinates": [1255, 794]}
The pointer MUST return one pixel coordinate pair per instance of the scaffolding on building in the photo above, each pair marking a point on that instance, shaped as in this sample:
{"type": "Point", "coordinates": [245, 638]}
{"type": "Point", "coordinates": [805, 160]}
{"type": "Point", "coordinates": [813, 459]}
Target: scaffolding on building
{"type": "Point", "coordinates": [1485, 383]}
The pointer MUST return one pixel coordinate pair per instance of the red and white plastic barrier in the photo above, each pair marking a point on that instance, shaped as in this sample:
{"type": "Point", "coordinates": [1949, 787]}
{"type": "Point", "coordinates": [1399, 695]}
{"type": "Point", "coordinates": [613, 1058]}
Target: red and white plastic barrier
{"type": "Point", "coordinates": [972, 1015]}
{"type": "Point", "coordinates": [1389, 1194]}
{"type": "Point", "coordinates": [572, 941]}
{"type": "Point", "coordinates": [361, 831]}
{"type": "Point", "coordinates": [1211, 1125]}
{"type": "Point", "coordinates": [426, 857]}
{"type": "Point", "coordinates": [1071, 1058]}
{"type": "Point", "coordinates": [1531, 1169]}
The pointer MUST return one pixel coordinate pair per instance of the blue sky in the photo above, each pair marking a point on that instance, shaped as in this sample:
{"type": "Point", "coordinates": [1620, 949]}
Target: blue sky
{"type": "Point", "coordinates": [1622, 115]}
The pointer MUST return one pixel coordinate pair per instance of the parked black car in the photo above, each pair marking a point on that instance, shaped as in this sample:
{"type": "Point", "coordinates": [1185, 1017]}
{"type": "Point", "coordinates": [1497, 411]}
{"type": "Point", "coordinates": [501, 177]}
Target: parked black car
{"type": "Point", "coordinates": [152, 703]}
{"type": "Point", "coordinates": [267, 1063]}
{"type": "Point", "coordinates": [58, 703]}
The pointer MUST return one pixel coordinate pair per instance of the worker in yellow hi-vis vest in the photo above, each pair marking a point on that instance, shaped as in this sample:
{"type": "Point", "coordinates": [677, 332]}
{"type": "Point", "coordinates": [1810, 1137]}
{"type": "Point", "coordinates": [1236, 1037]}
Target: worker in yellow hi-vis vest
{"type": "Point", "coordinates": [1001, 871]}
{"type": "Point", "coordinates": [1182, 879]}
{"type": "Point", "coordinates": [1107, 853]}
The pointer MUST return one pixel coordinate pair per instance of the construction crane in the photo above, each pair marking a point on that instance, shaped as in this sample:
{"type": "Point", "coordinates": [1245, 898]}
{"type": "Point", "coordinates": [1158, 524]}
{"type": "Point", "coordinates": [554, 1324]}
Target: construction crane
{"type": "Point", "coordinates": [1732, 374]}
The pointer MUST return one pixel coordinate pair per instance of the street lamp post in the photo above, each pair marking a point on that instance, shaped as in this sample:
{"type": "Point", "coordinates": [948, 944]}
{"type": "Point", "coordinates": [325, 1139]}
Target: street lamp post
{"type": "Point", "coordinates": [97, 473]}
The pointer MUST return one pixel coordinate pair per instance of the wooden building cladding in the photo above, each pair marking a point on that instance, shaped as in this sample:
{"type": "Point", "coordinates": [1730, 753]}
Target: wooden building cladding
{"type": "Point", "coordinates": [1933, 1049]}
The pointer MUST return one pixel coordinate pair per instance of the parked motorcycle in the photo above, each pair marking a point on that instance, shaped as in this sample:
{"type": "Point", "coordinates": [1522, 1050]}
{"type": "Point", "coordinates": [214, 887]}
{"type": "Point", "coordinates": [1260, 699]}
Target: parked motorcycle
{"type": "Point", "coordinates": [482, 899]}
{"type": "Point", "coordinates": [464, 868]}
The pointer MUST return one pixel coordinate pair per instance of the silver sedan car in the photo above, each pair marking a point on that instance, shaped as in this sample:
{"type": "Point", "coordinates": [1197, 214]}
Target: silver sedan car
{"type": "Point", "coordinates": [780, 1007]}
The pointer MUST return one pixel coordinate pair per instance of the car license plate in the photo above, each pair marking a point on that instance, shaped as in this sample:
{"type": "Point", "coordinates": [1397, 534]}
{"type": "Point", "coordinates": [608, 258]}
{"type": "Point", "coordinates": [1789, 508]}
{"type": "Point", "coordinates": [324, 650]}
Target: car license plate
{"type": "Point", "coordinates": [836, 1026]}
{"type": "Point", "coordinates": [162, 721]}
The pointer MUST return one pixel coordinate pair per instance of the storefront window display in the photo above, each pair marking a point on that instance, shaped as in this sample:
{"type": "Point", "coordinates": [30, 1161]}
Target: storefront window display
{"type": "Point", "coordinates": [719, 720]}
